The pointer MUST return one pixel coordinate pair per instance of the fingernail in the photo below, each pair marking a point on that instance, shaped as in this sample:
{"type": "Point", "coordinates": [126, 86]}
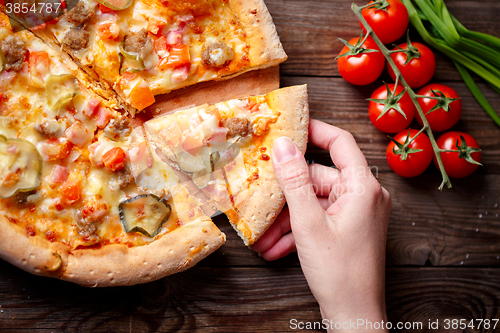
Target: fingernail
{"type": "Point", "coordinates": [284, 149]}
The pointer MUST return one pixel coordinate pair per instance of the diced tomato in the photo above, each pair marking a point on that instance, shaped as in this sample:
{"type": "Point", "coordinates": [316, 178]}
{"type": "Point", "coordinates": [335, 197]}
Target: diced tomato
{"type": "Point", "coordinates": [60, 174]}
{"type": "Point", "coordinates": [105, 9]}
{"type": "Point", "coordinates": [103, 117]}
{"type": "Point", "coordinates": [114, 159]}
{"type": "Point", "coordinates": [141, 96]}
{"type": "Point", "coordinates": [38, 65]}
{"type": "Point", "coordinates": [178, 56]}
{"type": "Point", "coordinates": [56, 149]}
{"type": "Point", "coordinates": [71, 191]}
{"type": "Point", "coordinates": [181, 73]}
{"type": "Point", "coordinates": [108, 30]}
{"type": "Point", "coordinates": [192, 144]}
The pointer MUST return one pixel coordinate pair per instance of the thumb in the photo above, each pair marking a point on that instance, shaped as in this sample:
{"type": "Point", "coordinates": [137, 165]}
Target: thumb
{"type": "Point", "coordinates": [292, 173]}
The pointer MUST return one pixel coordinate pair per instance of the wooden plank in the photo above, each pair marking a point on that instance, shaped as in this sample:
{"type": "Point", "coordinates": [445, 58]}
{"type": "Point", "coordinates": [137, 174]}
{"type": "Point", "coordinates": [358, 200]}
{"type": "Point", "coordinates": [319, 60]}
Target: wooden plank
{"type": "Point", "coordinates": [423, 294]}
{"type": "Point", "coordinates": [232, 299]}
{"type": "Point", "coordinates": [335, 101]}
{"type": "Point", "coordinates": [459, 226]}
{"type": "Point", "coordinates": [309, 31]}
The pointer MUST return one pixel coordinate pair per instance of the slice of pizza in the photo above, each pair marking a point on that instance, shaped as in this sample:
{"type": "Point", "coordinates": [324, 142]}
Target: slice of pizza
{"type": "Point", "coordinates": [142, 48]}
{"type": "Point", "coordinates": [226, 149]}
{"type": "Point", "coordinates": [82, 196]}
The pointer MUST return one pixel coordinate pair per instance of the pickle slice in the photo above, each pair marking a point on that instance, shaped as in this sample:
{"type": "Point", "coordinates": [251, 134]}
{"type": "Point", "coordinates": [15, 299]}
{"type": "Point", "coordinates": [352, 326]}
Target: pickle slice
{"type": "Point", "coordinates": [144, 213]}
{"type": "Point", "coordinates": [130, 62]}
{"type": "Point", "coordinates": [60, 89]}
{"type": "Point", "coordinates": [116, 4]}
{"type": "Point", "coordinates": [20, 166]}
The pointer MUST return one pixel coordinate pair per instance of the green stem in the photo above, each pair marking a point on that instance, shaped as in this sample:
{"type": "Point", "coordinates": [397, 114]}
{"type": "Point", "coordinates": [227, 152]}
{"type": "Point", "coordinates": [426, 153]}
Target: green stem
{"type": "Point", "coordinates": [444, 48]}
{"type": "Point", "coordinates": [492, 40]}
{"type": "Point", "coordinates": [483, 63]}
{"type": "Point", "coordinates": [446, 180]}
{"type": "Point", "coordinates": [477, 93]}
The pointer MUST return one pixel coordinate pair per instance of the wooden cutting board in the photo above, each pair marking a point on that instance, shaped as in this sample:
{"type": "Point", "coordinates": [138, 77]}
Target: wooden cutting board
{"type": "Point", "coordinates": [257, 82]}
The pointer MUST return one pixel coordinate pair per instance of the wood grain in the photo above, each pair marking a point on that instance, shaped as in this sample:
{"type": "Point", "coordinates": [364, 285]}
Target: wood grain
{"type": "Point", "coordinates": [249, 299]}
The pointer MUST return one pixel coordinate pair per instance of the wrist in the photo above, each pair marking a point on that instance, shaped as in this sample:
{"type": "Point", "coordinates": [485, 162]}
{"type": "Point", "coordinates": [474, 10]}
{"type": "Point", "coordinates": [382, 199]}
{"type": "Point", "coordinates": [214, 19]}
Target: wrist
{"type": "Point", "coordinates": [373, 319]}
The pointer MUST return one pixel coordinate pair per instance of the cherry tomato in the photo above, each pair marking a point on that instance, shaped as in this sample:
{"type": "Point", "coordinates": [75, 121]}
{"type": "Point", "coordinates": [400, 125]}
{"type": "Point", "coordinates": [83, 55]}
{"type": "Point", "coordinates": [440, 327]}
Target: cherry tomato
{"type": "Point", "coordinates": [363, 68]}
{"type": "Point", "coordinates": [419, 70]}
{"type": "Point", "coordinates": [439, 120]}
{"type": "Point", "coordinates": [392, 121]}
{"type": "Point", "coordinates": [454, 166]}
{"type": "Point", "coordinates": [416, 163]}
{"type": "Point", "coordinates": [389, 24]}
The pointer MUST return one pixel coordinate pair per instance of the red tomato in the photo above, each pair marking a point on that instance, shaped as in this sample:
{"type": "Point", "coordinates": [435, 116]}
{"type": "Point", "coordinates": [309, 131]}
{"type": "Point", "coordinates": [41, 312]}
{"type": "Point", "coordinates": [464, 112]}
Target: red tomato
{"type": "Point", "coordinates": [363, 68]}
{"type": "Point", "coordinates": [71, 191]}
{"type": "Point", "coordinates": [389, 24]}
{"type": "Point", "coordinates": [454, 166]}
{"type": "Point", "coordinates": [439, 120]}
{"type": "Point", "coordinates": [419, 70]}
{"type": "Point", "coordinates": [416, 163]}
{"type": "Point", "coordinates": [392, 121]}
{"type": "Point", "coordinates": [114, 159]}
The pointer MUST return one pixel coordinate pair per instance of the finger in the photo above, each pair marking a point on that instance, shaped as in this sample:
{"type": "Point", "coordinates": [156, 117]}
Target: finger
{"type": "Point", "coordinates": [292, 174]}
{"type": "Point", "coordinates": [282, 248]}
{"type": "Point", "coordinates": [279, 228]}
{"type": "Point", "coordinates": [323, 178]}
{"type": "Point", "coordinates": [324, 202]}
{"type": "Point", "coordinates": [342, 146]}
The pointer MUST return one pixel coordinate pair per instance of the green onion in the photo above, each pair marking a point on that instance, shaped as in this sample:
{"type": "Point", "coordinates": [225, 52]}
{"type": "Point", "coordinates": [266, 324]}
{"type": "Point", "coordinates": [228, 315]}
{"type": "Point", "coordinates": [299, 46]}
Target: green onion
{"type": "Point", "coordinates": [469, 50]}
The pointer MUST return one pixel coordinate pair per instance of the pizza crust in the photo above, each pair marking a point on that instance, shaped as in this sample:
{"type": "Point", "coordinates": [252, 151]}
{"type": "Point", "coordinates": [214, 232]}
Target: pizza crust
{"type": "Point", "coordinates": [111, 265]}
{"type": "Point", "coordinates": [265, 199]}
{"type": "Point", "coordinates": [265, 46]}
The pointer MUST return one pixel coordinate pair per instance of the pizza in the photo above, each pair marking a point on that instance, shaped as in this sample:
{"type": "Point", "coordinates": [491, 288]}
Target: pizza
{"type": "Point", "coordinates": [142, 48]}
{"type": "Point", "coordinates": [90, 195]}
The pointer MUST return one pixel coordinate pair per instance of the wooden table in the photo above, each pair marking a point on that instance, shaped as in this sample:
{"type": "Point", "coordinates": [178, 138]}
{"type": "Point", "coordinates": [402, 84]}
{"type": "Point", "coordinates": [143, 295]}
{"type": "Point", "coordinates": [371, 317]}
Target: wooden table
{"type": "Point", "coordinates": [443, 250]}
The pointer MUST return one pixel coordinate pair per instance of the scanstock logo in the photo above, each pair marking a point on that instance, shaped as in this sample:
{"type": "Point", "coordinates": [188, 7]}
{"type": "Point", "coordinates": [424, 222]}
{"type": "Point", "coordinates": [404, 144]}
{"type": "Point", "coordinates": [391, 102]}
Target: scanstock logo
{"type": "Point", "coordinates": [28, 14]}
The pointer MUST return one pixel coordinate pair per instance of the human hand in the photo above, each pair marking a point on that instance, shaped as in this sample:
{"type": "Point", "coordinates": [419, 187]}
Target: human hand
{"type": "Point", "coordinates": [338, 220]}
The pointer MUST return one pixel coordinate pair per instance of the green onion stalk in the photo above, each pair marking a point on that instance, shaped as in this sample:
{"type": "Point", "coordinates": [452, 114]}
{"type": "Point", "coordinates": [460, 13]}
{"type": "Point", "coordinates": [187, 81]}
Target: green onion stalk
{"type": "Point", "coordinates": [469, 50]}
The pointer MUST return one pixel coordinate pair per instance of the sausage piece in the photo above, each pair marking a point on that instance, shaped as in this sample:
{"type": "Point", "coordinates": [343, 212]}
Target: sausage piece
{"type": "Point", "coordinates": [77, 38]}
{"type": "Point", "coordinates": [217, 54]}
{"type": "Point", "coordinates": [136, 41]}
{"type": "Point", "coordinates": [237, 126]}
{"type": "Point", "coordinates": [80, 13]}
{"type": "Point", "coordinates": [14, 51]}
{"type": "Point", "coordinates": [118, 128]}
